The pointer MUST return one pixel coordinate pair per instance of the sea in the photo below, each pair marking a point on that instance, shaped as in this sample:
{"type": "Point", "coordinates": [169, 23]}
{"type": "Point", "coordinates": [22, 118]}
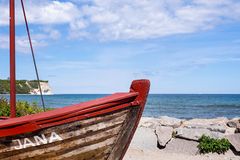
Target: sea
{"type": "Point", "coordinates": [185, 106]}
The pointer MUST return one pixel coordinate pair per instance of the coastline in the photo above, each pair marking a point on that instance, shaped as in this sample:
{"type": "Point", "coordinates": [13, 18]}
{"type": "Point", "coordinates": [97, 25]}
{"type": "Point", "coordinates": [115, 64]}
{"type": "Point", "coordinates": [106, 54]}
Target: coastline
{"type": "Point", "coordinates": [154, 138]}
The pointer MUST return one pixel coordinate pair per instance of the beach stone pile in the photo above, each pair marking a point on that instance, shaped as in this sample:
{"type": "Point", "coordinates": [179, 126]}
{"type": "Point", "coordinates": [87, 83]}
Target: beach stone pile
{"type": "Point", "coordinates": [180, 135]}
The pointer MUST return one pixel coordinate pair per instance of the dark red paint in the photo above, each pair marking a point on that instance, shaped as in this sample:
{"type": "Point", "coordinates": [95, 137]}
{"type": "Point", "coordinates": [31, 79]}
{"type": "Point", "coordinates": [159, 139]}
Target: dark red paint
{"type": "Point", "coordinates": [12, 60]}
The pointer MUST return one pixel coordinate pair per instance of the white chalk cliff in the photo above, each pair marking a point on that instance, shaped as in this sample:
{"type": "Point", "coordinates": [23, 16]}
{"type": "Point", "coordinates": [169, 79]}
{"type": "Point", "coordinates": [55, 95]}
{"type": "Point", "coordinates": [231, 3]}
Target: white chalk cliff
{"type": "Point", "coordinates": [46, 89]}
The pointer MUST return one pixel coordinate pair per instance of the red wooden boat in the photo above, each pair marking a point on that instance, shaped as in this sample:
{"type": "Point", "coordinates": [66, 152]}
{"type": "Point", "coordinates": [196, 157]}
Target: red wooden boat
{"type": "Point", "coordinates": [100, 129]}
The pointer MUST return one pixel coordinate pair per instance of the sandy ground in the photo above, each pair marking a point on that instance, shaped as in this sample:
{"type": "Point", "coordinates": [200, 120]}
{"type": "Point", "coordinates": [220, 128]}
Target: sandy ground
{"type": "Point", "coordinates": [138, 154]}
{"type": "Point", "coordinates": [144, 147]}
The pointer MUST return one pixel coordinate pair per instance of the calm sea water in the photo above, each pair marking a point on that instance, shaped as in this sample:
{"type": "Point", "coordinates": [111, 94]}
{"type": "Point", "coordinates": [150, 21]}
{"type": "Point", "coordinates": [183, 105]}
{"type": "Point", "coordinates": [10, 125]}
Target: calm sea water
{"type": "Point", "coordinates": [175, 105]}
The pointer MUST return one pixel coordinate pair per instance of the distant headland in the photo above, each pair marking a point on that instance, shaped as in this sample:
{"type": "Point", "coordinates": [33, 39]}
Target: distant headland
{"type": "Point", "coordinates": [25, 87]}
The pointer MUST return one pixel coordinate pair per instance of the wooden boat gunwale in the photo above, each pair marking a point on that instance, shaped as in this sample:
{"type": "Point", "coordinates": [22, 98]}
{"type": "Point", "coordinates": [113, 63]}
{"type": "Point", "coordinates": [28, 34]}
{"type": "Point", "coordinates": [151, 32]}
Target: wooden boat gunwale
{"type": "Point", "coordinates": [67, 110]}
{"type": "Point", "coordinates": [34, 122]}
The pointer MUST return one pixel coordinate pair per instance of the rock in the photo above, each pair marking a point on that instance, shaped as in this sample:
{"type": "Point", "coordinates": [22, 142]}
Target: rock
{"type": "Point", "coordinates": [217, 128]}
{"type": "Point", "coordinates": [235, 141]}
{"type": "Point", "coordinates": [182, 146]}
{"type": "Point", "coordinates": [164, 135]}
{"type": "Point", "coordinates": [233, 123]}
{"type": "Point", "coordinates": [221, 120]}
{"type": "Point", "coordinates": [196, 133]}
{"type": "Point", "coordinates": [216, 125]}
{"type": "Point", "coordinates": [212, 127]}
{"type": "Point", "coordinates": [144, 138]}
{"type": "Point", "coordinates": [237, 129]}
{"type": "Point", "coordinates": [148, 122]}
{"type": "Point", "coordinates": [169, 121]}
{"type": "Point", "coordinates": [230, 131]}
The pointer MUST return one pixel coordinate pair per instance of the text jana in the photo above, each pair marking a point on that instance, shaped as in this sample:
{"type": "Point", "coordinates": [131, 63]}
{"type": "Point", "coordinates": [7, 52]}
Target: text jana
{"type": "Point", "coordinates": [37, 140]}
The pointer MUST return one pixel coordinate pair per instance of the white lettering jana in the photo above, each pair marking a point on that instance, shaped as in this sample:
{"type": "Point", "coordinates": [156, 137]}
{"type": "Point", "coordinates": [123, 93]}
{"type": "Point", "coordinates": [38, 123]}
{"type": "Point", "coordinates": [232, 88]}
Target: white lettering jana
{"type": "Point", "coordinates": [54, 137]}
{"type": "Point", "coordinates": [37, 140]}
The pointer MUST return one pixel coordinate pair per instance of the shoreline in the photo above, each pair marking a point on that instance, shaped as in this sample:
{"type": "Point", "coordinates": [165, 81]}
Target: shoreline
{"type": "Point", "coordinates": [154, 138]}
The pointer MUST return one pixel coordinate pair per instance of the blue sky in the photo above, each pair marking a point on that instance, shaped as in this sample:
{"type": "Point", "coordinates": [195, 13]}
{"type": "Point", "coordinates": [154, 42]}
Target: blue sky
{"type": "Point", "coordinates": [95, 46]}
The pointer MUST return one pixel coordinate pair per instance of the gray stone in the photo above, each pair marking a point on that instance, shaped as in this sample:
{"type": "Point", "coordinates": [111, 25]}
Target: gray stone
{"type": "Point", "coordinates": [217, 128]}
{"type": "Point", "coordinates": [233, 124]}
{"type": "Point", "coordinates": [144, 138]}
{"type": "Point", "coordinates": [237, 130]}
{"type": "Point", "coordinates": [196, 133]}
{"type": "Point", "coordinates": [216, 125]}
{"type": "Point", "coordinates": [169, 121]}
{"type": "Point", "coordinates": [164, 135]}
{"type": "Point", "coordinates": [212, 127]}
{"type": "Point", "coordinates": [203, 122]}
{"type": "Point", "coordinates": [182, 146]}
{"type": "Point", "coordinates": [234, 139]}
{"type": "Point", "coordinates": [230, 131]}
{"type": "Point", "coordinates": [148, 122]}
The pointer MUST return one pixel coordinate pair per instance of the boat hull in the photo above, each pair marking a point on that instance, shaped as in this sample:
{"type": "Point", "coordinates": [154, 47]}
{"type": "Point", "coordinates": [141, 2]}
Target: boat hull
{"type": "Point", "coordinates": [103, 132]}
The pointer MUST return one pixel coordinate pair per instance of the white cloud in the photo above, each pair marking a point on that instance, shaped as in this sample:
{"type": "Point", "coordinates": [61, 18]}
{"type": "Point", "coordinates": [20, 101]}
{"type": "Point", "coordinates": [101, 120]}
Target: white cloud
{"type": "Point", "coordinates": [41, 12]}
{"type": "Point", "coordinates": [129, 19]}
{"type": "Point", "coordinates": [38, 40]}
{"type": "Point", "coordinates": [22, 44]}
{"type": "Point", "coordinates": [4, 41]}
{"type": "Point", "coordinates": [52, 33]}
{"type": "Point", "coordinates": [151, 18]}
{"type": "Point", "coordinates": [52, 12]}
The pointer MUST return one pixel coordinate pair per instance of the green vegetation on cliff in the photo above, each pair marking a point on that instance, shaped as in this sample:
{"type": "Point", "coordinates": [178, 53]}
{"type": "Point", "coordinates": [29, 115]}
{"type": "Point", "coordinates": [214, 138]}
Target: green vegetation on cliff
{"type": "Point", "coordinates": [22, 86]}
{"type": "Point", "coordinates": [22, 107]}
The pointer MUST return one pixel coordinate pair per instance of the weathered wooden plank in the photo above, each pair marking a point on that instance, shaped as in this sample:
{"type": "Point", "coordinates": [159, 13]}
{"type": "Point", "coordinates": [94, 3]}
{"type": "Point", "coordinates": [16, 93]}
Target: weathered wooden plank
{"type": "Point", "coordinates": [124, 134]}
{"type": "Point", "coordinates": [86, 139]}
{"type": "Point", "coordinates": [78, 151]}
{"type": "Point", "coordinates": [98, 154]}
{"type": "Point", "coordinates": [63, 130]}
{"type": "Point", "coordinates": [115, 121]}
{"type": "Point", "coordinates": [57, 151]}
